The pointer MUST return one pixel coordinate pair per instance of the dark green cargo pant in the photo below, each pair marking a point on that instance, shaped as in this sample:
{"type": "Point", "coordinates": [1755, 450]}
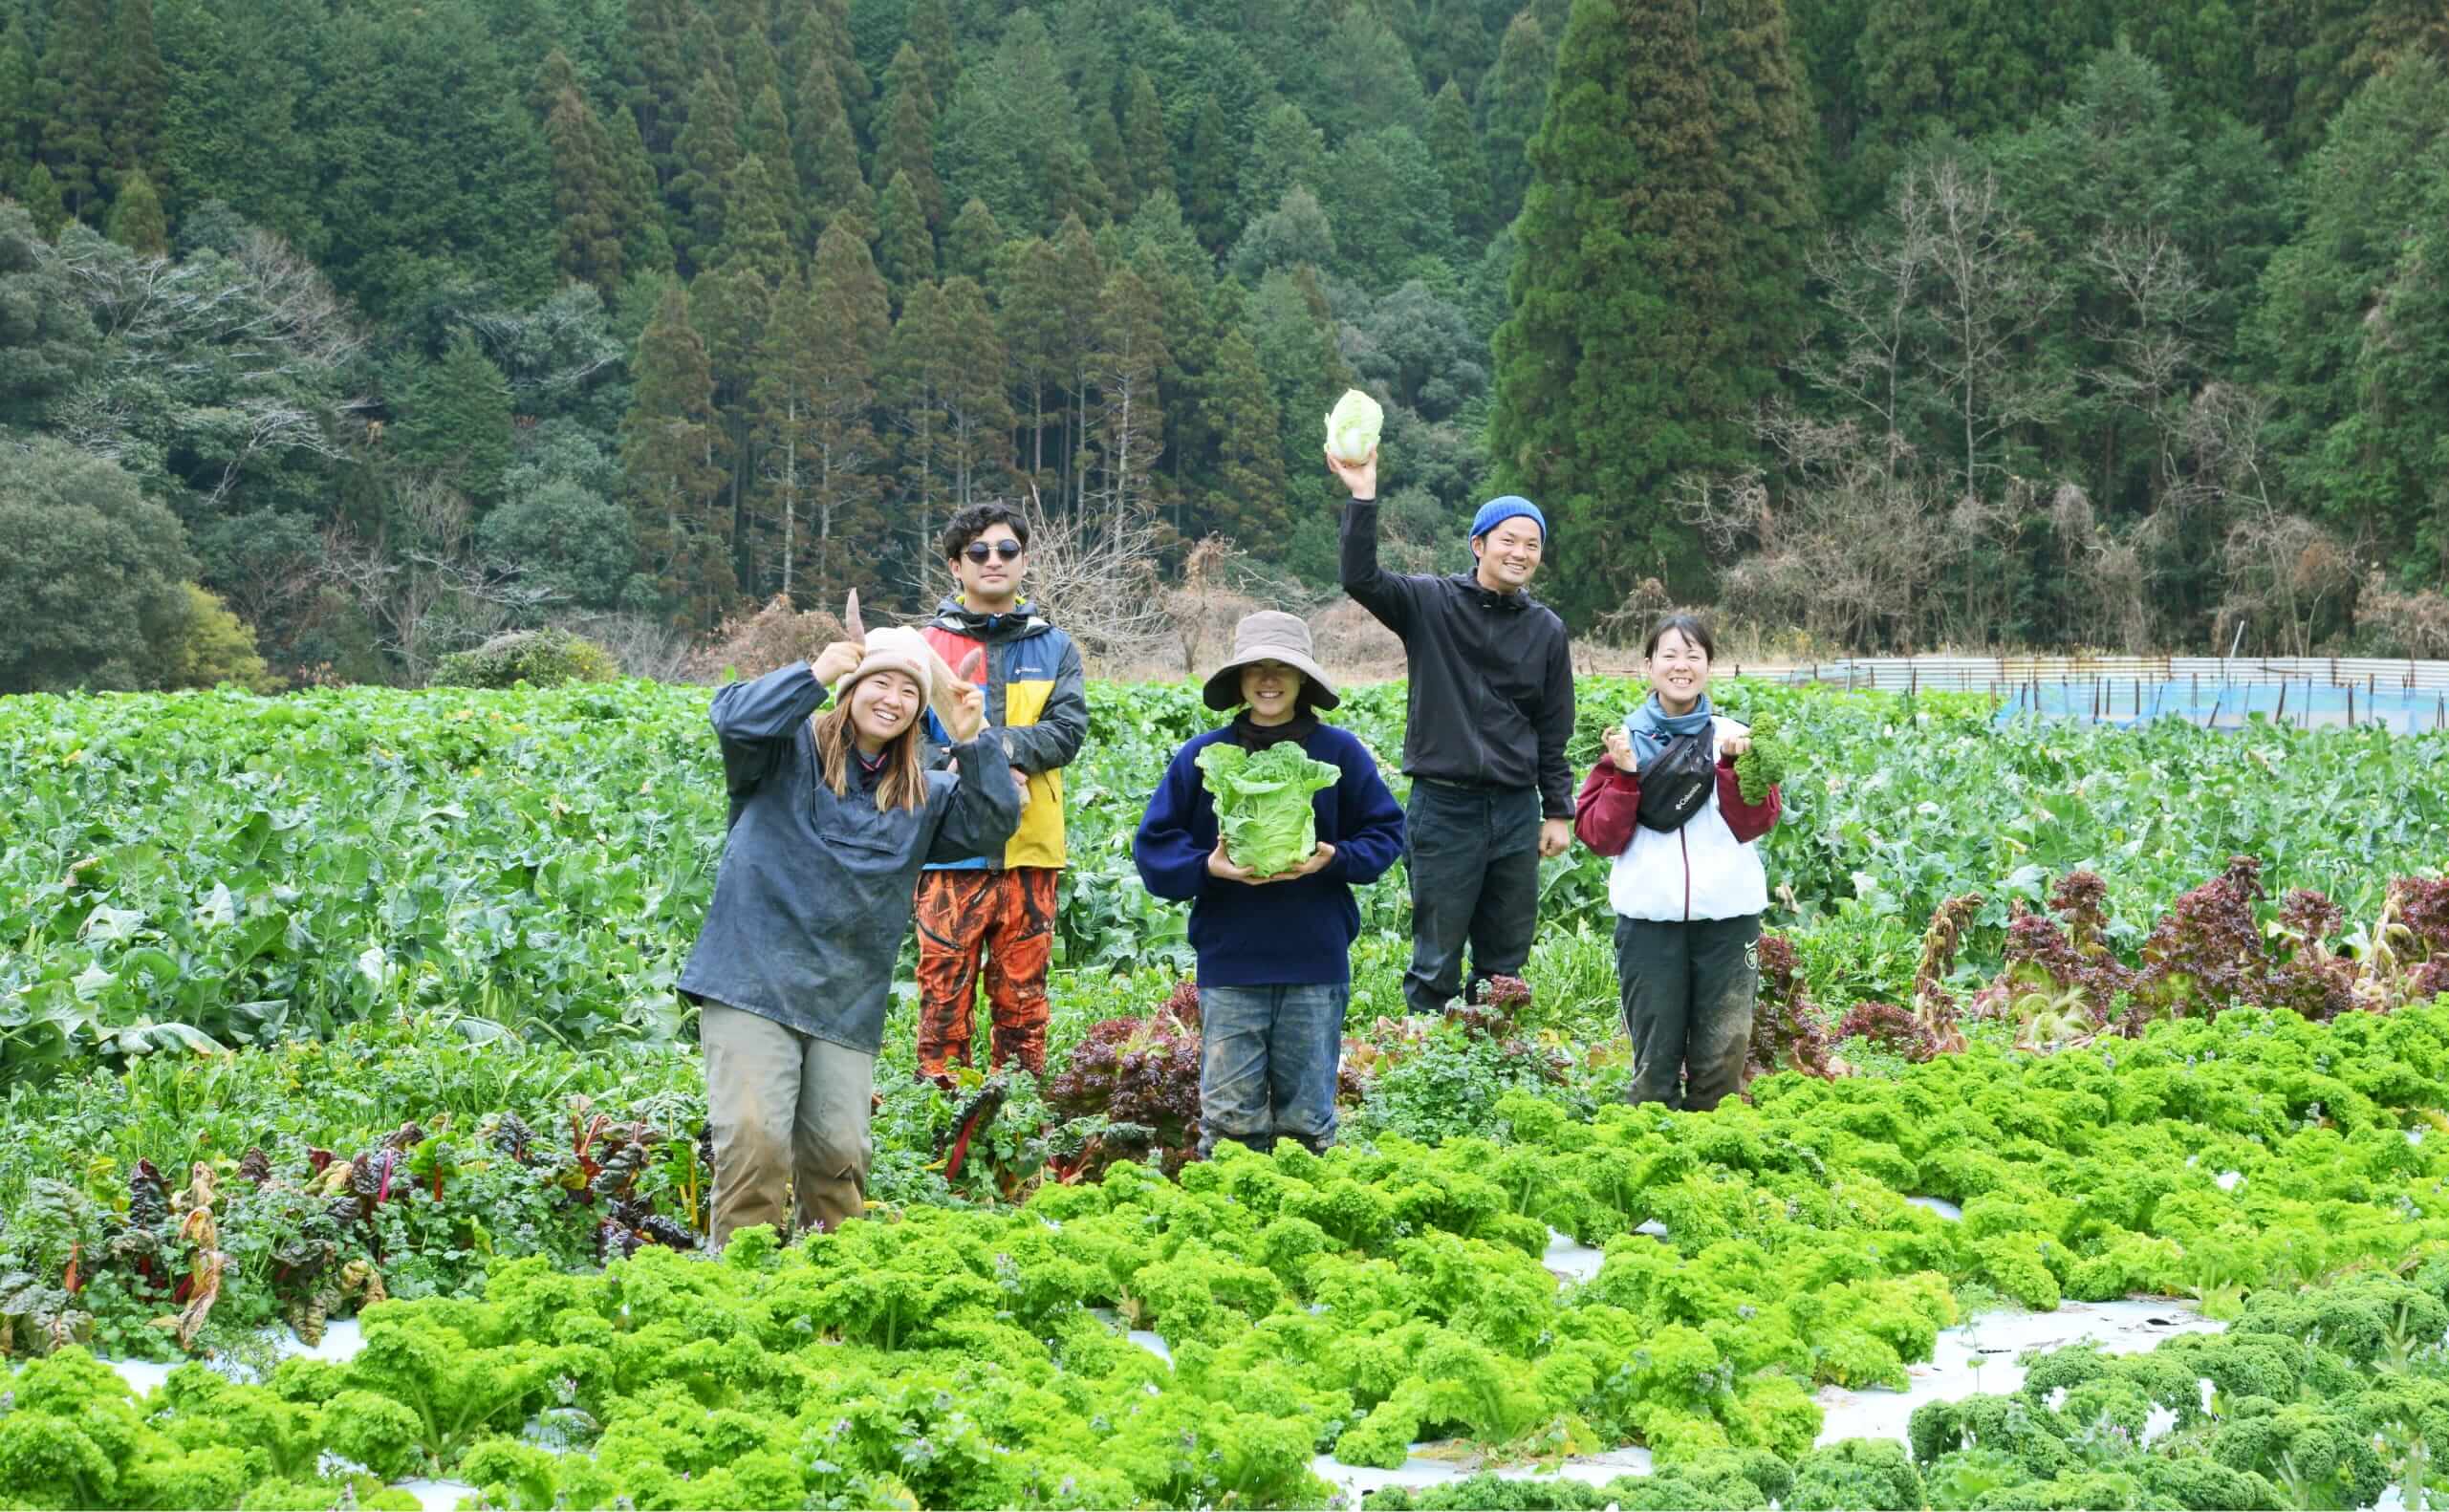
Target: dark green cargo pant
{"type": "Point", "coordinates": [1688, 995]}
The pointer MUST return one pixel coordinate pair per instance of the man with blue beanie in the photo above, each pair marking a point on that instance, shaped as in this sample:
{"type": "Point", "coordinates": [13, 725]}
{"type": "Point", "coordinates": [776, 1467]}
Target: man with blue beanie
{"type": "Point", "coordinates": [1489, 710]}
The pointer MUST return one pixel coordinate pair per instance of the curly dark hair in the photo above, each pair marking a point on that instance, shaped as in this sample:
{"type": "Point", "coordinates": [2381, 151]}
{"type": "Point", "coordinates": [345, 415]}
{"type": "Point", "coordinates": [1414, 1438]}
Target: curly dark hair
{"type": "Point", "coordinates": [975, 521]}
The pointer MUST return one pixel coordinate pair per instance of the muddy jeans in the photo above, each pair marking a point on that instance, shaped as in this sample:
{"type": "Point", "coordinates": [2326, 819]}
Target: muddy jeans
{"type": "Point", "coordinates": [1474, 859]}
{"type": "Point", "coordinates": [1688, 995]}
{"type": "Point", "coordinates": [1268, 1061]}
{"type": "Point", "coordinates": [788, 1110]}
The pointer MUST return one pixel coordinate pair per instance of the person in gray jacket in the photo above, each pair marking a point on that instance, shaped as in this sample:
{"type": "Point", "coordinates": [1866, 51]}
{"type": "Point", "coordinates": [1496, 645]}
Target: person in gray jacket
{"type": "Point", "coordinates": [831, 818]}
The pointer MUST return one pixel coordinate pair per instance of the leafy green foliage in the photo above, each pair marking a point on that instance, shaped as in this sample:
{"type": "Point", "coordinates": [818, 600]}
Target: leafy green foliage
{"type": "Point", "coordinates": [314, 1213]}
{"type": "Point", "coordinates": [540, 858]}
{"type": "Point", "coordinates": [2330, 1419]}
{"type": "Point", "coordinates": [346, 854]}
{"type": "Point", "coordinates": [539, 658]}
{"type": "Point", "coordinates": [95, 590]}
{"type": "Point", "coordinates": [1608, 381]}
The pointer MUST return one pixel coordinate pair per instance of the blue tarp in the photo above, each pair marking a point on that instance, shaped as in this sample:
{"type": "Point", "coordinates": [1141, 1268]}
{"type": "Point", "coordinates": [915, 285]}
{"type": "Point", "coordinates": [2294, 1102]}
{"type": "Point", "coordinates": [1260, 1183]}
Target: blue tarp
{"type": "Point", "coordinates": [2224, 704]}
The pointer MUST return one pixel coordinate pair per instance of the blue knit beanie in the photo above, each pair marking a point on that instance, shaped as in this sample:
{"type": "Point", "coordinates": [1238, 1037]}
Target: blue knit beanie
{"type": "Point", "coordinates": [1497, 511]}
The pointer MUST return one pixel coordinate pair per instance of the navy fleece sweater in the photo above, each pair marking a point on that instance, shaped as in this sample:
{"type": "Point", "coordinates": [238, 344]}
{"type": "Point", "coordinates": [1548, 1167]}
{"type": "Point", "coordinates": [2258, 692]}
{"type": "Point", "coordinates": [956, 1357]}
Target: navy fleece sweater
{"type": "Point", "coordinates": [1282, 934]}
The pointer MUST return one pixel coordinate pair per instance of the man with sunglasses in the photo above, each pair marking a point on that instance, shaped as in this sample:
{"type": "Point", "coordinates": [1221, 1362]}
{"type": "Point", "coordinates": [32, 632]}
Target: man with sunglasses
{"type": "Point", "coordinates": [996, 916]}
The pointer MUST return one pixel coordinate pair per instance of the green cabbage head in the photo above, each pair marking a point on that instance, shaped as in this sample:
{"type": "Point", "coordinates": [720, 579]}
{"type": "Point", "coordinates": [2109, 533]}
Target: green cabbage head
{"type": "Point", "coordinates": [1263, 803]}
{"type": "Point", "coordinates": [1353, 426]}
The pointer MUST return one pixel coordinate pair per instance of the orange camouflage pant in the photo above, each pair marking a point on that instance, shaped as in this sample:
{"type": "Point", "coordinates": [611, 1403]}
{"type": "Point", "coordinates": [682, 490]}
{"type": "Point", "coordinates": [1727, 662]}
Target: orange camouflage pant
{"type": "Point", "coordinates": [1007, 919]}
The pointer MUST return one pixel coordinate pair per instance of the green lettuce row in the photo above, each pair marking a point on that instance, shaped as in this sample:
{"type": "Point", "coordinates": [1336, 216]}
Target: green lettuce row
{"type": "Point", "coordinates": [1355, 1302]}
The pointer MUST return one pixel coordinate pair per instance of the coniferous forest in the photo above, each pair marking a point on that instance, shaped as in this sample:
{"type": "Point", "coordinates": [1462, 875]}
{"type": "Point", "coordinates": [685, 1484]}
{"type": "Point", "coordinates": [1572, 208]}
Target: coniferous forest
{"type": "Point", "coordinates": [335, 338]}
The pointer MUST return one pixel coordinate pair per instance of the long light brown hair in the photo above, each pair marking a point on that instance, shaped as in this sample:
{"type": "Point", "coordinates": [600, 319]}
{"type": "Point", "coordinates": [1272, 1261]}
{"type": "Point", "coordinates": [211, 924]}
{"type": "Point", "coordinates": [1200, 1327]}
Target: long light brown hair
{"type": "Point", "coordinates": [904, 782]}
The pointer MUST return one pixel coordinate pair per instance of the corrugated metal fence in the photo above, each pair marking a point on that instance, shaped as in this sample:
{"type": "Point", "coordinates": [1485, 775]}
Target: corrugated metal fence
{"type": "Point", "coordinates": [2218, 691]}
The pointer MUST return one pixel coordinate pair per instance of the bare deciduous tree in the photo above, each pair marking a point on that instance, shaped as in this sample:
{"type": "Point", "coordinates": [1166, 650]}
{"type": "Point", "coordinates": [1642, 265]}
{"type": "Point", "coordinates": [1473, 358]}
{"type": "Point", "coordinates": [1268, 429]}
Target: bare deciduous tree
{"type": "Point", "coordinates": [234, 348]}
{"type": "Point", "coordinates": [270, 582]}
{"type": "Point", "coordinates": [2162, 300]}
{"type": "Point", "coordinates": [2111, 571]}
{"type": "Point", "coordinates": [1628, 624]}
{"type": "Point", "coordinates": [1852, 550]}
{"type": "Point", "coordinates": [1098, 576]}
{"type": "Point", "coordinates": [1874, 286]}
{"type": "Point", "coordinates": [1859, 535]}
{"type": "Point", "coordinates": [2412, 624]}
{"type": "Point", "coordinates": [753, 645]}
{"type": "Point", "coordinates": [1989, 297]}
{"type": "Point", "coordinates": [642, 647]}
{"type": "Point", "coordinates": [2285, 574]}
{"type": "Point", "coordinates": [435, 596]}
{"type": "Point", "coordinates": [1214, 593]}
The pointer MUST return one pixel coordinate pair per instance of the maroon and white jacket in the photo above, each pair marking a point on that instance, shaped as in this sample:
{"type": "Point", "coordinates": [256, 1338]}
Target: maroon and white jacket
{"type": "Point", "coordinates": [1709, 869]}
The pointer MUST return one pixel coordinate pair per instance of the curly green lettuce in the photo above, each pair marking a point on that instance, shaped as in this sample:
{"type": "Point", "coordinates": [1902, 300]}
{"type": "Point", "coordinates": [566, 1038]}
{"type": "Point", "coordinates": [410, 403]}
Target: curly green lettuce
{"type": "Point", "coordinates": [1263, 803]}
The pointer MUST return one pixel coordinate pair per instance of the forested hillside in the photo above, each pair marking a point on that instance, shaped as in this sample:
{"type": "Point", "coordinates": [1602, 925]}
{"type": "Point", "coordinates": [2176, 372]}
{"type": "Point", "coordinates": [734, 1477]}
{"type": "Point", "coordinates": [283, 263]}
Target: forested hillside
{"type": "Point", "coordinates": [366, 331]}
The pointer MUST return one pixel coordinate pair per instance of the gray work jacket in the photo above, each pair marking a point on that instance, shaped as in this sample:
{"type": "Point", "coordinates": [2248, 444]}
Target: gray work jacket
{"type": "Point", "coordinates": [814, 895]}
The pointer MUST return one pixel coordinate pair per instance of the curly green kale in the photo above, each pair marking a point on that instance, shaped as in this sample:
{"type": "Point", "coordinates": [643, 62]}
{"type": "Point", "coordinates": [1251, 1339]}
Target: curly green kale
{"type": "Point", "coordinates": [1857, 1473]}
{"type": "Point", "coordinates": [2317, 1457]}
{"type": "Point", "coordinates": [1764, 766]}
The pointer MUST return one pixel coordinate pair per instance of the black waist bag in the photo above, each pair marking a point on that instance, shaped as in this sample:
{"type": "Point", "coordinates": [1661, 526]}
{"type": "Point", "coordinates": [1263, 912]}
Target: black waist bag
{"type": "Point", "coordinates": [1676, 784]}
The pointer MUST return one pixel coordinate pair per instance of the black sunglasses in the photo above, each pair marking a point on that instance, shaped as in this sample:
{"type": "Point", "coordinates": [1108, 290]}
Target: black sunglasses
{"type": "Point", "coordinates": [980, 551]}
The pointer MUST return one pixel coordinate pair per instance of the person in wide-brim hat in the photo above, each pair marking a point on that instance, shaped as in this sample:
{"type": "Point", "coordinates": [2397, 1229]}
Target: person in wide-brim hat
{"type": "Point", "coordinates": [1270, 635]}
{"type": "Point", "coordinates": [1274, 952]}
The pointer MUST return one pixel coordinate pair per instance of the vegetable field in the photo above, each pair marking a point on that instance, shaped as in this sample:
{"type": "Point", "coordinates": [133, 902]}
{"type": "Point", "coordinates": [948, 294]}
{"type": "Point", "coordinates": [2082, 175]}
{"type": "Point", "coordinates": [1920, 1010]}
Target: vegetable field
{"type": "Point", "coordinates": [359, 1002]}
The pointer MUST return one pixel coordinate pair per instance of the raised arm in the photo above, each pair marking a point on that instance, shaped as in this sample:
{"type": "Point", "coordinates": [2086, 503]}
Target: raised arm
{"type": "Point", "coordinates": [756, 722]}
{"type": "Point", "coordinates": [1609, 809]}
{"type": "Point", "coordinates": [1749, 821]}
{"type": "Point", "coordinates": [981, 803]}
{"type": "Point", "coordinates": [1391, 596]}
{"type": "Point", "coordinates": [1610, 804]}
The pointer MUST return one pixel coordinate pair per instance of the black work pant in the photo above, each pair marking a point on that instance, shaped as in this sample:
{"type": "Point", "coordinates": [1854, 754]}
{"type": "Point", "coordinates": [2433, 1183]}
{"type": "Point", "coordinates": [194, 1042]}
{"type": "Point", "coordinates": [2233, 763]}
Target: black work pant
{"type": "Point", "coordinates": [1474, 860]}
{"type": "Point", "coordinates": [1688, 995]}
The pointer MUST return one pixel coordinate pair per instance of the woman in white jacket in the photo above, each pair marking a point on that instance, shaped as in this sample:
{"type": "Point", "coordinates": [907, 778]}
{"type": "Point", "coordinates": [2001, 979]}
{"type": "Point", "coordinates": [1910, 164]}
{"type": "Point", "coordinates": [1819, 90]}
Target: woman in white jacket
{"type": "Point", "coordinates": [1687, 887]}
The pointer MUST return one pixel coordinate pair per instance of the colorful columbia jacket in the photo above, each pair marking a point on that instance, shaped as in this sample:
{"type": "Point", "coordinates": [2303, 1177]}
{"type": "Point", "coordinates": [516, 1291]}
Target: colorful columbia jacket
{"type": "Point", "coordinates": [1709, 869]}
{"type": "Point", "coordinates": [1037, 701]}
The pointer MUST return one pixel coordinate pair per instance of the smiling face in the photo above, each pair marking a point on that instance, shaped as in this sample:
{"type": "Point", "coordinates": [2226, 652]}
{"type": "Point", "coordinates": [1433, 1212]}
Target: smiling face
{"type": "Point", "coordinates": [1509, 554]}
{"type": "Point", "coordinates": [1679, 671]}
{"type": "Point", "coordinates": [991, 586]}
{"type": "Point", "coordinates": [1272, 690]}
{"type": "Point", "coordinates": [883, 706]}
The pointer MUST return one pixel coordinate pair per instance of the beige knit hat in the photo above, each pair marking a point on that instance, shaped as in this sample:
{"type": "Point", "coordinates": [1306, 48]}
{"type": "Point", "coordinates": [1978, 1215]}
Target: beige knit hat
{"type": "Point", "coordinates": [897, 648]}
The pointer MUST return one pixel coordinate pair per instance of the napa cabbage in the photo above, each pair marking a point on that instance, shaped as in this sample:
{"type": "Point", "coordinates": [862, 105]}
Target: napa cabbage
{"type": "Point", "coordinates": [1263, 803]}
{"type": "Point", "coordinates": [1353, 426]}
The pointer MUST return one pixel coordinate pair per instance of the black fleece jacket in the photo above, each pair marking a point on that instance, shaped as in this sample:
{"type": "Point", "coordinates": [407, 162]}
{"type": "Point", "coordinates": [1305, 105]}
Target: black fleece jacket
{"type": "Point", "coordinates": [1491, 697]}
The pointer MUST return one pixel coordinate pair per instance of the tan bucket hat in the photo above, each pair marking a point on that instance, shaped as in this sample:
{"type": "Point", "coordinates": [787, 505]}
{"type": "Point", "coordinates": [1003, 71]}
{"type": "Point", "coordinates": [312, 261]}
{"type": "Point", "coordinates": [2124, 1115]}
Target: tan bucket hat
{"type": "Point", "coordinates": [1269, 636]}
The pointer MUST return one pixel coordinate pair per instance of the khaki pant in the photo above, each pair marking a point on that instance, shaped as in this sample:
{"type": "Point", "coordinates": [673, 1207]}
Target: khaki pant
{"type": "Point", "coordinates": [787, 1109]}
